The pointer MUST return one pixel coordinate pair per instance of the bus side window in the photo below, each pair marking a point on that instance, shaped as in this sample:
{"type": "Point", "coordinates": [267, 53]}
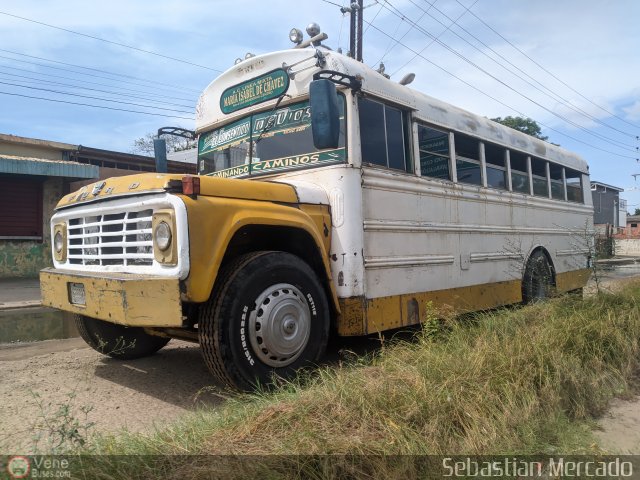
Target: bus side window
{"type": "Point", "coordinates": [519, 175]}
{"type": "Point", "coordinates": [468, 159]}
{"type": "Point", "coordinates": [557, 183]}
{"type": "Point", "coordinates": [574, 186]}
{"type": "Point", "coordinates": [539, 172]}
{"type": "Point", "coordinates": [434, 153]}
{"type": "Point", "coordinates": [383, 135]}
{"type": "Point", "coordinates": [496, 169]}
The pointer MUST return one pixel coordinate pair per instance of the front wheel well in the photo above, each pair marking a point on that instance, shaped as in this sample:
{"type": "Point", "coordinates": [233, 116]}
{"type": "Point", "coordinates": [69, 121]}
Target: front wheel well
{"type": "Point", "coordinates": [253, 238]}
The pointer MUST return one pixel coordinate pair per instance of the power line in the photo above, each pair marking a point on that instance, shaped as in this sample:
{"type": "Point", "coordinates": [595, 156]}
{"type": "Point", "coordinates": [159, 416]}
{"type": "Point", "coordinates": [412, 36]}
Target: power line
{"type": "Point", "coordinates": [499, 101]}
{"type": "Point", "coordinates": [555, 96]}
{"type": "Point", "coordinates": [547, 71]}
{"type": "Point", "coordinates": [107, 72]}
{"type": "Point", "coordinates": [431, 42]}
{"type": "Point", "coordinates": [91, 97]}
{"type": "Point", "coordinates": [372, 20]}
{"type": "Point", "coordinates": [388, 49]}
{"type": "Point", "coordinates": [84, 73]}
{"type": "Point", "coordinates": [110, 92]}
{"type": "Point", "coordinates": [332, 3]}
{"type": "Point", "coordinates": [33, 72]}
{"type": "Point", "coordinates": [110, 41]}
{"type": "Point", "coordinates": [95, 106]}
{"type": "Point", "coordinates": [500, 81]}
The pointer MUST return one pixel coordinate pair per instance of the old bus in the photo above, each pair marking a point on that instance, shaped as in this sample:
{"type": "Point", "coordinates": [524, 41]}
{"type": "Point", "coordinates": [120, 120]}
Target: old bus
{"type": "Point", "coordinates": [329, 199]}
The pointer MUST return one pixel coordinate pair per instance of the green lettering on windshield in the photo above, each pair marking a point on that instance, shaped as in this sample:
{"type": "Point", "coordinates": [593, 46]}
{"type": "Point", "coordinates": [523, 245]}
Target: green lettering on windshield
{"type": "Point", "coordinates": [266, 142]}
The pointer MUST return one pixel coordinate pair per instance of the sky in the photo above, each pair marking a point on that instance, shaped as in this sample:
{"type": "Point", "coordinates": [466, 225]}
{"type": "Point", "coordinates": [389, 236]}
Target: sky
{"type": "Point", "coordinates": [572, 65]}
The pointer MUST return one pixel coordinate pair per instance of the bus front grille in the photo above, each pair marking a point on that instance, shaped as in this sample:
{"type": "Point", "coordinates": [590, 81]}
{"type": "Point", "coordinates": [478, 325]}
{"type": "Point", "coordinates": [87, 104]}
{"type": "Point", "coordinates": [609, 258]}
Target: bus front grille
{"type": "Point", "coordinates": [121, 238]}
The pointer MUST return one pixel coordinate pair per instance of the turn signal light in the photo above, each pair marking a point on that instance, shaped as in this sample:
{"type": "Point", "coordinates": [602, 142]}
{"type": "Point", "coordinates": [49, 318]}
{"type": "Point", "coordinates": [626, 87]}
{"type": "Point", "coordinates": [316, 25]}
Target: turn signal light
{"type": "Point", "coordinates": [191, 185]}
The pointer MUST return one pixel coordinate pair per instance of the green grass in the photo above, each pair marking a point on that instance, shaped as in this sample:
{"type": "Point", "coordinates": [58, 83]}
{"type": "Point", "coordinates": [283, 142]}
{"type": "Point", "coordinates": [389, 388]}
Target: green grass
{"type": "Point", "coordinates": [525, 381]}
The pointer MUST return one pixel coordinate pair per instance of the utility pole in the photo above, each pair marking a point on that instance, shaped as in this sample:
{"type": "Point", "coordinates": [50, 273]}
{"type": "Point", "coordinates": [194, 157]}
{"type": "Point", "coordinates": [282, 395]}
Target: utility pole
{"type": "Point", "coordinates": [356, 11]}
{"type": "Point", "coordinates": [360, 13]}
{"type": "Point", "coordinates": [352, 30]}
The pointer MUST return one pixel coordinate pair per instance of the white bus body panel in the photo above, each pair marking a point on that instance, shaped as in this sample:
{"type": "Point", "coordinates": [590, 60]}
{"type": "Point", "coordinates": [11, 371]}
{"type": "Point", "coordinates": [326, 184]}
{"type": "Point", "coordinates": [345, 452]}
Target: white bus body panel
{"type": "Point", "coordinates": [425, 235]}
{"type": "Point", "coordinates": [398, 233]}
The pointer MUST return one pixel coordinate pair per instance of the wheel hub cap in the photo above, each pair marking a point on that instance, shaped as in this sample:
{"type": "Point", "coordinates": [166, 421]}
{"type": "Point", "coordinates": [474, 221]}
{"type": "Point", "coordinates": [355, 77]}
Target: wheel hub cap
{"type": "Point", "coordinates": [280, 325]}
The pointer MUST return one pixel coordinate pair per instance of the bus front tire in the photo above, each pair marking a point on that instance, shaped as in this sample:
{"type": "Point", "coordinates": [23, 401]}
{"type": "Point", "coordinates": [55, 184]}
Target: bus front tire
{"type": "Point", "coordinates": [118, 341]}
{"type": "Point", "coordinates": [267, 317]}
{"type": "Point", "coordinates": [537, 284]}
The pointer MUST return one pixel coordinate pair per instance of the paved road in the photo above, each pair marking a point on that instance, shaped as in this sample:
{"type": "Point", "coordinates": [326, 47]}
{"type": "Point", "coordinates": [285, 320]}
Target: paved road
{"type": "Point", "coordinates": [19, 292]}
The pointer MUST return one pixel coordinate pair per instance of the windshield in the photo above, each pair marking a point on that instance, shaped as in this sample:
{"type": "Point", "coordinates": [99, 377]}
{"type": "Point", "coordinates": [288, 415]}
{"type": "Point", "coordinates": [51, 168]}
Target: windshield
{"type": "Point", "coordinates": [275, 140]}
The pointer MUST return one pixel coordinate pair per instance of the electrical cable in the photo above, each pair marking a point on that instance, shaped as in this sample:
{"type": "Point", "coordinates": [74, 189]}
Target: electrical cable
{"type": "Point", "coordinates": [92, 98]}
{"type": "Point", "coordinates": [548, 71]}
{"type": "Point", "coordinates": [160, 95]}
{"type": "Point", "coordinates": [499, 101]}
{"type": "Point", "coordinates": [173, 86]}
{"type": "Point", "coordinates": [82, 73]}
{"type": "Point", "coordinates": [47, 82]}
{"type": "Point", "coordinates": [393, 43]}
{"type": "Point", "coordinates": [95, 106]}
{"type": "Point", "coordinates": [432, 41]}
{"type": "Point", "coordinates": [500, 81]}
{"type": "Point", "coordinates": [109, 41]}
{"type": "Point", "coordinates": [332, 3]}
{"type": "Point", "coordinates": [550, 93]}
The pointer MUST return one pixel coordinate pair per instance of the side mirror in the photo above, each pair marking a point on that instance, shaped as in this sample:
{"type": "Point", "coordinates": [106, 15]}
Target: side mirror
{"type": "Point", "coordinates": [325, 114]}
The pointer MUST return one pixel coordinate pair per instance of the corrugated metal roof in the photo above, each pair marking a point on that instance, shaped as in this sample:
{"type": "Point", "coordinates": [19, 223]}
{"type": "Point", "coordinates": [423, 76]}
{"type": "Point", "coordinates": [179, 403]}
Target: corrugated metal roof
{"type": "Point", "coordinates": [50, 168]}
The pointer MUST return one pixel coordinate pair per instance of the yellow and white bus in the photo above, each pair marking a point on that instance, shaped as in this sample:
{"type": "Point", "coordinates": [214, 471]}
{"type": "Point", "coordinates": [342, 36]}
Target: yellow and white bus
{"type": "Point", "coordinates": [329, 199]}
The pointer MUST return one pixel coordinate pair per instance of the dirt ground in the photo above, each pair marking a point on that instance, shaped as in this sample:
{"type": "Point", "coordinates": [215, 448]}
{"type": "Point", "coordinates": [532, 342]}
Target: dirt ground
{"type": "Point", "coordinates": [619, 429]}
{"type": "Point", "coordinates": [138, 395]}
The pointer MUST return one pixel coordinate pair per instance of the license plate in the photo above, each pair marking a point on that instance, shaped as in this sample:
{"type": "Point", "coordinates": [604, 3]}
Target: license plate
{"type": "Point", "coordinates": [76, 294]}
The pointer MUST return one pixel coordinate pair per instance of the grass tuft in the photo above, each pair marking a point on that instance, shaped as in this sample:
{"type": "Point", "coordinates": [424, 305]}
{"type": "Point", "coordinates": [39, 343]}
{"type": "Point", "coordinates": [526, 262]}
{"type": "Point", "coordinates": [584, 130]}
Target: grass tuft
{"type": "Point", "coordinates": [526, 381]}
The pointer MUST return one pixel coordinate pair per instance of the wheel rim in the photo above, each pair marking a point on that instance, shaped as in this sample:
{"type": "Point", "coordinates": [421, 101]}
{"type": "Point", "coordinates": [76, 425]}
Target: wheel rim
{"type": "Point", "coordinates": [280, 325]}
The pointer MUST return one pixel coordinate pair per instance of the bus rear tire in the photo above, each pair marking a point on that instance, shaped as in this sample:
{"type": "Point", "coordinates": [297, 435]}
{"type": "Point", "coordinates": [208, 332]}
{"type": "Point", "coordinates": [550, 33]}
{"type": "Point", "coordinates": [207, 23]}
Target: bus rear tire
{"type": "Point", "coordinates": [267, 317]}
{"type": "Point", "coordinates": [118, 341]}
{"type": "Point", "coordinates": [537, 284]}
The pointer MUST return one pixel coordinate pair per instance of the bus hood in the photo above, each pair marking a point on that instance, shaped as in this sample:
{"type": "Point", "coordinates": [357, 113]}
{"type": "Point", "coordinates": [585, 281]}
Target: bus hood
{"type": "Point", "coordinates": [147, 183]}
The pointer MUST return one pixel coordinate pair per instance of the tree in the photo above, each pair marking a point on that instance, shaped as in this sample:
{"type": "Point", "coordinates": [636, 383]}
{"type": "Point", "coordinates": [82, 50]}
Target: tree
{"type": "Point", "coordinates": [144, 145]}
{"type": "Point", "coordinates": [637, 212]}
{"type": "Point", "coordinates": [524, 125]}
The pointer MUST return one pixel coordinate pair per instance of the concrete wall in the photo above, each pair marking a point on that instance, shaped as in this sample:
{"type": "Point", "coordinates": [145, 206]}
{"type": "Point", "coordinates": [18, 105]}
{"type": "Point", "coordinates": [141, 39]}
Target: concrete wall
{"type": "Point", "coordinates": [25, 258]}
{"type": "Point", "coordinates": [627, 247]}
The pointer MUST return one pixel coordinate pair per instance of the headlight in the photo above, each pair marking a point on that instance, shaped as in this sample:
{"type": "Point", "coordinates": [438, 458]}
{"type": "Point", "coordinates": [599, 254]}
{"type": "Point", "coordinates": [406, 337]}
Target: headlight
{"type": "Point", "coordinates": [58, 242]}
{"type": "Point", "coordinates": [165, 247]}
{"type": "Point", "coordinates": [163, 235]}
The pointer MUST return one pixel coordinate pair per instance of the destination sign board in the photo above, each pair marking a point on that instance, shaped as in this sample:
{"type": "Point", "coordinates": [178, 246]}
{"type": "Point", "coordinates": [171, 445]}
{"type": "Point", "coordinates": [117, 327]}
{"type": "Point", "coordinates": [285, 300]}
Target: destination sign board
{"type": "Point", "coordinates": [257, 90]}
